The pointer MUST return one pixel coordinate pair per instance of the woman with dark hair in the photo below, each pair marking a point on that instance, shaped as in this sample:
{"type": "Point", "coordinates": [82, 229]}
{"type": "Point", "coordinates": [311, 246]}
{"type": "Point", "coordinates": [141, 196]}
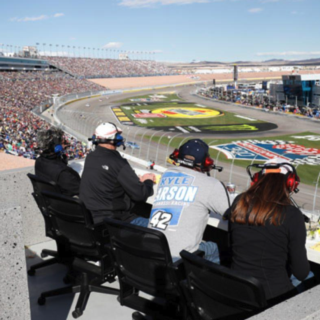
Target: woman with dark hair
{"type": "Point", "coordinates": [52, 164]}
{"type": "Point", "coordinates": [268, 232]}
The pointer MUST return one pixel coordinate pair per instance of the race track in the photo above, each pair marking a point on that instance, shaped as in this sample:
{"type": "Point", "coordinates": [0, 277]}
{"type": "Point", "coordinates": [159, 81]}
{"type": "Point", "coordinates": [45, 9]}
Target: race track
{"type": "Point", "coordinates": [84, 119]}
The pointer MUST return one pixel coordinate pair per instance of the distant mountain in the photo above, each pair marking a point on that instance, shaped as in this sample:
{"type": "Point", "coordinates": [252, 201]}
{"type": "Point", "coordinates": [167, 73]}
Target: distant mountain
{"type": "Point", "coordinates": [274, 60]}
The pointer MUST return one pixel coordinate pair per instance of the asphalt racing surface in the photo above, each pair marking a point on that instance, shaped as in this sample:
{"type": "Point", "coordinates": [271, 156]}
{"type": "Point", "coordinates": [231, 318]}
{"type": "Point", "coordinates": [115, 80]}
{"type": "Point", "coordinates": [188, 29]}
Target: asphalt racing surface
{"type": "Point", "coordinates": [85, 115]}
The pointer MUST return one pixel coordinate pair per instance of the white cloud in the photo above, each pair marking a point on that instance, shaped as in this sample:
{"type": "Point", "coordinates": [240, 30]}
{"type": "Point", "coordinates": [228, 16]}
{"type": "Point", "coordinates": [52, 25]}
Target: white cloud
{"type": "Point", "coordinates": [58, 15]}
{"type": "Point", "coordinates": [289, 53]}
{"type": "Point", "coordinates": [255, 10]}
{"type": "Point", "coordinates": [150, 3]}
{"type": "Point", "coordinates": [27, 19]}
{"type": "Point", "coordinates": [113, 45]}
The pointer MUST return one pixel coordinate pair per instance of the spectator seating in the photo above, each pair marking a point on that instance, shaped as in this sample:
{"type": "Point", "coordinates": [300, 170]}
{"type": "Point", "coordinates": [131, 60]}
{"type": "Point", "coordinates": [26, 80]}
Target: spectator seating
{"type": "Point", "coordinates": [107, 68]}
{"type": "Point", "coordinates": [20, 93]}
{"type": "Point", "coordinates": [87, 245]}
{"type": "Point", "coordinates": [216, 292]}
{"type": "Point", "coordinates": [143, 263]}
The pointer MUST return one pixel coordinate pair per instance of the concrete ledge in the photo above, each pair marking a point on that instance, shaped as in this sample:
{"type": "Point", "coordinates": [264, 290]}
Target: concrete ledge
{"type": "Point", "coordinates": [304, 306]}
{"type": "Point", "coordinates": [16, 190]}
{"type": "Point", "coordinates": [14, 294]}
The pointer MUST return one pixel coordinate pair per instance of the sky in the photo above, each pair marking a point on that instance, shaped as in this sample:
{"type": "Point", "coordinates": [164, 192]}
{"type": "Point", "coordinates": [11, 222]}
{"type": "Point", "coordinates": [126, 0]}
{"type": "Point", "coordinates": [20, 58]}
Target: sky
{"type": "Point", "coordinates": [166, 30]}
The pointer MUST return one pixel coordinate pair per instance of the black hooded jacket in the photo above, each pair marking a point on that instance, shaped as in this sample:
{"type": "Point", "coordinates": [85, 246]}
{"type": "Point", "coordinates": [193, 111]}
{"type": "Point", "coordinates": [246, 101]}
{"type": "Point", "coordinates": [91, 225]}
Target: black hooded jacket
{"type": "Point", "coordinates": [110, 187]}
{"type": "Point", "coordinates": [53, 167]}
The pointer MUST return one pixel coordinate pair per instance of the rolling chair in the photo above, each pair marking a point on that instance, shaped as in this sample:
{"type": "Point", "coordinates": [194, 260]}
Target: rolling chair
{"type": "Point", "coordinates": [143, 263]}
{"type": "Point", "coordinates": [86, 242]}
{"type": "Point", "coordinates": [61, 255]}
{"type": "Point", "coordinates": [216, 292]}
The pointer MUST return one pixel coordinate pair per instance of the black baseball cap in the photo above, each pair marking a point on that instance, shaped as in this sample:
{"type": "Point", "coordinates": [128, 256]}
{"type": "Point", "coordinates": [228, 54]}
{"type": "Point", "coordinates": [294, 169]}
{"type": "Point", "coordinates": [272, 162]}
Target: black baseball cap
{"type": "Point", "coordinates": [196, 148]}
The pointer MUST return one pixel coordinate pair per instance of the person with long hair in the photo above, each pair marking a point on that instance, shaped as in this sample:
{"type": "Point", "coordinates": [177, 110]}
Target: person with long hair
{"type": "Point", "coordinates": [268, 232]}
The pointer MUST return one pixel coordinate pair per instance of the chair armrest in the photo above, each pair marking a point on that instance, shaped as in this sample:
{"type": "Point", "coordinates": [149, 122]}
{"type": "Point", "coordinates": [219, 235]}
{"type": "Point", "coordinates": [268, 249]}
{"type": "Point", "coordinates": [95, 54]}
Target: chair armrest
{"type": "Point", "coordinates": [179, 269]}
{"type": "Point", "coordinates": [101, 233]}
{"type": "Point", "coordinates": [199, 253]}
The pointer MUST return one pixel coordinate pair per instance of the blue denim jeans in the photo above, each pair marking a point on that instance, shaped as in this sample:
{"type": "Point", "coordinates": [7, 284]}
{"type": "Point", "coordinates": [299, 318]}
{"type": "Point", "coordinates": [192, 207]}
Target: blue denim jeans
{"type": "Point", "coordinates": [211, 251]}
{"type": "Point", "coordinates": [141, 222]}
{"type": "Point", "coordinates": [299, 284]}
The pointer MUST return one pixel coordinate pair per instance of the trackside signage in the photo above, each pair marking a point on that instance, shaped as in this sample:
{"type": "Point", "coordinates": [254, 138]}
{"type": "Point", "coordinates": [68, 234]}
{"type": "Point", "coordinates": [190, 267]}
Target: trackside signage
{"type": "Point", "coordinates": [269, 149]}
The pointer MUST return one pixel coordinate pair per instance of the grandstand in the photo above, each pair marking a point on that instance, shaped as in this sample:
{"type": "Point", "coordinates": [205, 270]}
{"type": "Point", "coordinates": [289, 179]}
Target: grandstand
{"type": "Point", "coordinates": [109, 68]}
{"type": "Point", "coordinates": [20, 93]}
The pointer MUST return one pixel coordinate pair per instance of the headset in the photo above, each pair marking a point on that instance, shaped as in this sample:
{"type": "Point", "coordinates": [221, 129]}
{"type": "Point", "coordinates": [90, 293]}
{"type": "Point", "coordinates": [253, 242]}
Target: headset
{"type": "Point", "coordinates": [293, 179]}
{"type": "Point", "coordinates": [118, 140]}
{"type": "Point", "coordinates": [205, 166]}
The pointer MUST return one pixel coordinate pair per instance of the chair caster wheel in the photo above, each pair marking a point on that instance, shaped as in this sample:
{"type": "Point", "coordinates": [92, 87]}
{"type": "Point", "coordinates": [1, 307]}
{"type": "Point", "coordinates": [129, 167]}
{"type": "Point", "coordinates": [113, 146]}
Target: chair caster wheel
{"type": "Point", "coordinates": [41, 301]}
{"type": "Point", "coordinates": [31, 272]}
{"type": "Point", "coordinates": [77, 313]}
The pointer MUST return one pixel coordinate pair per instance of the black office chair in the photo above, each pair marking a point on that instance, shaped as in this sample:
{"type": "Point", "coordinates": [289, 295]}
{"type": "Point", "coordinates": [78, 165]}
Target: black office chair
{"type": "Point", "coordinates": [143, 263]}
{"type": "Point", "coordinates": [86, 242]}
{"type": "Point", "coordinates": [61, 255]}
{"type": "Point", "coordinates": [216, 292]}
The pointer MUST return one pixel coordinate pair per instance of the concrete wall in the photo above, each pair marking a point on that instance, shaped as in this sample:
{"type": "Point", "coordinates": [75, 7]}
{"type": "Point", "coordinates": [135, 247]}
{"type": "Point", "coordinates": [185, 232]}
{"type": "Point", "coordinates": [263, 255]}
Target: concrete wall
{"type": "Point", "coordinates": [305, 306]}
{"type": "Point", "coordinates": [14, 294]}
{"type": "Point", "coordinates": [16, 190]}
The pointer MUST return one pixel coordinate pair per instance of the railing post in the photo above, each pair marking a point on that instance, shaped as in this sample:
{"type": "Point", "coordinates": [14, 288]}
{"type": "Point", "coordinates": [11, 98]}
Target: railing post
{"type": "Point", "coordinates": [217, 160]}
{"type": "Point", "coordinates": [253, 160]}
{"type": "Point", "coordinates": [315, 193]}
{"type": "Point", "coordinates": [134, 137]}
{"type": "Point", "coordinates": [150, 143]}
{"type": "Point", "coordinates": [231, 169]}
{"type": "Point", "coordinates": [159, 145]}
{"type": "Point", "coordinates": [141, 141]}
{"type": "Point", "coordinates": [178, 134]}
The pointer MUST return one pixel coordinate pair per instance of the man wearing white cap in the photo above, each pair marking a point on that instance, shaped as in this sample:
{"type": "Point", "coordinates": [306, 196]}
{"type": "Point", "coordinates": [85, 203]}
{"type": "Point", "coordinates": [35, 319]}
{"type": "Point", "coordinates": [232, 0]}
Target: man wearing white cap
{"type": "Point", "coordinates": [109, 186]}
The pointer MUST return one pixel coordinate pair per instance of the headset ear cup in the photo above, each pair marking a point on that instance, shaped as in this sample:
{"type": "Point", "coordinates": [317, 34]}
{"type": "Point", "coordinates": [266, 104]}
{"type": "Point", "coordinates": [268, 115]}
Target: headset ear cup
{"type": "Point", "coordinates": [119, 139]}
{"type": "Point", "coordinates": [255, 178]}
{"type": "Point", "coordinates": [292, 182]}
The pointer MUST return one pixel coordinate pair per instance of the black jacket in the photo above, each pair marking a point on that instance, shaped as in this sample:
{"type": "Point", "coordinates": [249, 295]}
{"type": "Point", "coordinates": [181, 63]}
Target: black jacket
{"type": "Point", "coordinates": [269, 252]}
{"type": "Point", "coordinates": [54, 168]}
{"type": "Point", "coordinates": [109, 186]}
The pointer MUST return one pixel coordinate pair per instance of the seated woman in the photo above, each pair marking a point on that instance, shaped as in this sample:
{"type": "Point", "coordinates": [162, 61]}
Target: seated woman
{"type": "Point", "coordinates": [268, 233]}
{"type": "Point", "coordinates": [52, 165]}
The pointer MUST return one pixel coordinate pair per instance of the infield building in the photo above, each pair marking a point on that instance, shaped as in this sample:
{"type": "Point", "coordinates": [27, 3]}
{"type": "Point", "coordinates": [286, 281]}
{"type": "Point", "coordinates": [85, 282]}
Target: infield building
{"type": "Point", "coordinates": [302, 89]}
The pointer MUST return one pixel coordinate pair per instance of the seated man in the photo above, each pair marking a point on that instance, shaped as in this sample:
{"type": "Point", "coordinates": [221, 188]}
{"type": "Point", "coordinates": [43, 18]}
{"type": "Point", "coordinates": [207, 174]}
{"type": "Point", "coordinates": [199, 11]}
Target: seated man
{"type": "Point", "coordinates": [185, 197]}
{"type": "Point", "coordinates": [109, 187]}
{"type": "Point", "coordinates": [52, 165]}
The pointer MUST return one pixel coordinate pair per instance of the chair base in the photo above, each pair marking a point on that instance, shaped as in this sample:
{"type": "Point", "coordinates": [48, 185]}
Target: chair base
{"type": "Point", "coordinates": [84, 288]}
{"type": "Point", "coordinates": [49, 262]}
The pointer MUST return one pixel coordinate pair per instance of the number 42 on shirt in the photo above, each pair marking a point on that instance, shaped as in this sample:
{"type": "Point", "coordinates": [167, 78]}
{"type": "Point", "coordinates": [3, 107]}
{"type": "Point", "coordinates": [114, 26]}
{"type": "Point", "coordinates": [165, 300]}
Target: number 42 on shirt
{"type": "Point", "coordinates": [160, 220]}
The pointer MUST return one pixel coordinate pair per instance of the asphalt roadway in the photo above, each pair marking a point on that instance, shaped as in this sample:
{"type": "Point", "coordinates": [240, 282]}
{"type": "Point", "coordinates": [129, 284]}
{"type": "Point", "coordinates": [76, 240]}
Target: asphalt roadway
{"type": "Point", "coordinates": [84, 116]}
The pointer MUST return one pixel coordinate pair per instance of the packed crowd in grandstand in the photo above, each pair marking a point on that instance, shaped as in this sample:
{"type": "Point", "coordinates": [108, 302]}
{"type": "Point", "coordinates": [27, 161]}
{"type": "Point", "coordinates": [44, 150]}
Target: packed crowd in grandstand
{"type": "Point", "coordinates": [94, 68]}
{"type": "Point", "coordinates": [20, 92]}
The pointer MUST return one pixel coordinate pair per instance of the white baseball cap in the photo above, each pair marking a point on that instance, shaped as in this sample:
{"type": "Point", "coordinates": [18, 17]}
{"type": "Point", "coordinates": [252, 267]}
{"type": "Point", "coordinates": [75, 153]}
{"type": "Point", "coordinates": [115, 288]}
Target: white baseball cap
{"type": "Point", "coordinates": [107, 131]}
{"type": "Point", "coordinates": [283, 169]}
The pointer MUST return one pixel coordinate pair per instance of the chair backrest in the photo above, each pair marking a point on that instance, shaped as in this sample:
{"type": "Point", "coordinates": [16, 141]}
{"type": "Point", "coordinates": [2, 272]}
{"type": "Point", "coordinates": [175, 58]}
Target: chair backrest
{"type": "Point", "coordinates": [40, 185]}
{"type": "Point", "coordinates": [74, 223]}
{"type": "Point", "coordinates": [142, 258]}
{"type": "Point", "coordinates": [216, 292]}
